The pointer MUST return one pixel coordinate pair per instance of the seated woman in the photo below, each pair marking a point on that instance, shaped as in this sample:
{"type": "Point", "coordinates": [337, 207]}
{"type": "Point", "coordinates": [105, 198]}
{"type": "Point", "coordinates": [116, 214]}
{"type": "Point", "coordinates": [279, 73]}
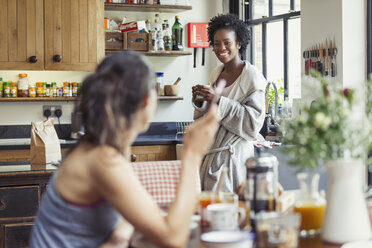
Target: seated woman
{"type": "Point", "coordinates": [95, 195]}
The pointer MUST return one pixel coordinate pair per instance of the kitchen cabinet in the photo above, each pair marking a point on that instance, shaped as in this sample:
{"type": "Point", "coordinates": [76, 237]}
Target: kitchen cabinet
{"type": "Point", "coordinates": [51, 35]}
{"type": "Point", "coordinates": [20, 196]}
{"type": "Point", "coordinates": [154, 152]}
{"type": "Point", "coordinates": [143, 153]}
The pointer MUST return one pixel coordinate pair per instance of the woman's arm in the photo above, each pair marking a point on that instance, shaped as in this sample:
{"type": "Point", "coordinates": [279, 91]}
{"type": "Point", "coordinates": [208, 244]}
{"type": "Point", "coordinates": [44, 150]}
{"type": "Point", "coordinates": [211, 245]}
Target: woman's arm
{"type": "Point", "coordinates": [116, 182]}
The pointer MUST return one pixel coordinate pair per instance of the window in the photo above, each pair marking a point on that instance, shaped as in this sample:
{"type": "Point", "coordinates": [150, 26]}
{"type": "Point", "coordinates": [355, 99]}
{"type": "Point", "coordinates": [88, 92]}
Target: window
{"type": "Point", "coordinates": [369, 37]}
{"type": "Point", "coordinates": [275, 47]}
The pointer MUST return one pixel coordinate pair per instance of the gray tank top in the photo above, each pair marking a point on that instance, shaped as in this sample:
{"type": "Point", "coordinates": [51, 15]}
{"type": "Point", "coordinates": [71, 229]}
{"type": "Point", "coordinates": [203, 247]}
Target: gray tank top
{"type": "Point", "coordinates": [62, 224]}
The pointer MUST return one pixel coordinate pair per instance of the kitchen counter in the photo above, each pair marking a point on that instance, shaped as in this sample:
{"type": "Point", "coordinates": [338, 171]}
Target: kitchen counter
{"type": "Point", "coordinates": [159, 133]}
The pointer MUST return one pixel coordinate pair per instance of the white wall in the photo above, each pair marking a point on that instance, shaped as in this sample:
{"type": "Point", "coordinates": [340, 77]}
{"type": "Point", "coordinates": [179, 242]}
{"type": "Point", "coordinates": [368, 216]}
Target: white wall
{"type": "Point", "coordinates": [343, 22]}
{"type": "Point", "coordinates": [20, 113]}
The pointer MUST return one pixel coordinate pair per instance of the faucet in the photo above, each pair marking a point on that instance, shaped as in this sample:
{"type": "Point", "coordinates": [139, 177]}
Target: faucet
{"type": "Point", "coordinates": [276, 98]}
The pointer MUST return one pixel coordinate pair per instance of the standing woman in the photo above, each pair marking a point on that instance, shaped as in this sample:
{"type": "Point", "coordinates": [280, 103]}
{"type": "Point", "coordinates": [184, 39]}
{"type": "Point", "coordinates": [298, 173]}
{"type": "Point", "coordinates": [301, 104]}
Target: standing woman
{"type": "Point", "coordinates": [241, 107]}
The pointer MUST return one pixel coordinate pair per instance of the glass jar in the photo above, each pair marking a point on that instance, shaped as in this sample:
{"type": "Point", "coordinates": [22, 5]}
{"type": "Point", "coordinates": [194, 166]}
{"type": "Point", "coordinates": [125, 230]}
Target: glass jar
{"type": "Point", "coordinates": [74, 89]}
{"type": "Point", "coordinates": [54, 92]}
{"type": "Point", "coordinates": [1, 87]}
{"type": "Point", "coordinates": [48, 90]}
{"type": "Point", "coordinates": [44, 88]}
{"type": "Point", "coordinates": [6, 86]}
{"type": "Point", "coordinates": [310, 204]}
{"type": "Point", "coordinates": [66, 89]}
{"type": "Point", "coordinates": [39, 89]}
{"type": "Point", "coordinates": [262, 179]}
{"type": "Point", "coordinates": [277, 230]}
{"type": "Point", "coordinates": [159, 83]}
{"type": "Point", "coordinates": [13, 89]}
{"type": "Point", "coordinates": [32, 91]}
{"type": "Point", "coordinates": [23, 85]}
{"type": "Point", "coordinates": [79, 88]}
{"type": "Point", "coordinates": [60, 91]}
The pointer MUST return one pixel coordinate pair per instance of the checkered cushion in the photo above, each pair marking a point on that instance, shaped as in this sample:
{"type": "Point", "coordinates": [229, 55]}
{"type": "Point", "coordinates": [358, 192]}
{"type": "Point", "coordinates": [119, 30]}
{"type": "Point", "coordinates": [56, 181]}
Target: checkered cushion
{"type": "Point", "coordinates": [160, 178]}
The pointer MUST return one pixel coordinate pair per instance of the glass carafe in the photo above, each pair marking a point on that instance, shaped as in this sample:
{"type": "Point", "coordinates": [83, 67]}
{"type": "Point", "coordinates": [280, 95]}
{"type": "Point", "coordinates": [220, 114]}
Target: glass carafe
{"type": "Point", "coordinates": [310, 204]}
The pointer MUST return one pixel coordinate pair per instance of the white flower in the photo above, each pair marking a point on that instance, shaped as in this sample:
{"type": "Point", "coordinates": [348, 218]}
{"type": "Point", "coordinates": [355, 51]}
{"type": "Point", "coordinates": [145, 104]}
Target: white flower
{"type": "Point", "coordinates": [322, 121]}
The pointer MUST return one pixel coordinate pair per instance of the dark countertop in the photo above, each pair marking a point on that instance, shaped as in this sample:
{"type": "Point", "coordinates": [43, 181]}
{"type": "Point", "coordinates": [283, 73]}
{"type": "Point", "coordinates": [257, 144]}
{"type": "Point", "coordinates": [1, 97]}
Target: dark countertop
{"type": "Point", "coordinates": [159, 133]}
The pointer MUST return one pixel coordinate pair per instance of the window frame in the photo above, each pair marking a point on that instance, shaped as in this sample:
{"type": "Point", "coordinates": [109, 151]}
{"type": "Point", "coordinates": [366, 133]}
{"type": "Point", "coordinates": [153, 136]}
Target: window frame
{"type": "Point", "coordinates": [248, 6]}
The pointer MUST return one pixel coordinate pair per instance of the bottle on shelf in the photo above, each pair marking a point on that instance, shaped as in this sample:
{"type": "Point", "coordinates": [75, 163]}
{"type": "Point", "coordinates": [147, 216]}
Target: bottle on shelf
{"type": "Point", "coordinates": [177, 30]}
{"type": "Point", "coordinates": [167, 37]}
{"type": "Point", "coordinates": [148, 25]}
{"type": "Point", "coordinates": [154, 34]}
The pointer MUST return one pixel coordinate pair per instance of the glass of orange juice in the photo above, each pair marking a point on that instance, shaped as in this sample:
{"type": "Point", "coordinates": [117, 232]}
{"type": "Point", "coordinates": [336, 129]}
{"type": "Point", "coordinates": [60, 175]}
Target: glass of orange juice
{"type": "Point", "coordinates": [310, 204]}
{"type": "Point", "coordinates": [206, 198]}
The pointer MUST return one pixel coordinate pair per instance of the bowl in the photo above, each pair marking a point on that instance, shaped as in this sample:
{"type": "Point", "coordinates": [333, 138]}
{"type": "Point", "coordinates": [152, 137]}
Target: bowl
{"type": "Point", "coordinates": [227, 239]}
{"type": "Point", "coordinates": [171, 90]}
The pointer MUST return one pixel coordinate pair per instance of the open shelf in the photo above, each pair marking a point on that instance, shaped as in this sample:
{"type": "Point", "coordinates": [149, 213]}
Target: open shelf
{"type": "Point", "coordinates": [170, 98]}
{"type": "Point", "coordinates": [159, 53]}
{"type": "Point", "coordinates": [147, 7]}
{"type": "Point", "coordinates": [66, 99]}
{"type": "Point", "coordinates": [38, 99]}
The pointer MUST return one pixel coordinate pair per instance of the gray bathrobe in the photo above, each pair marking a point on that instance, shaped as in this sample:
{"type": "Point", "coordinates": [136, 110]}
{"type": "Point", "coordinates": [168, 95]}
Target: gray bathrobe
{"type": "Point", "coordinates": [241, 116]}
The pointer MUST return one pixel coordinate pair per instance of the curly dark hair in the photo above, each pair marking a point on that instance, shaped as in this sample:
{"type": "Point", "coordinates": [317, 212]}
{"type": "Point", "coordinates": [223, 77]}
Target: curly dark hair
{"type": "Point", "coordinates": [111, 96]}
{"type": "Point", "coordinates": [233, 23]}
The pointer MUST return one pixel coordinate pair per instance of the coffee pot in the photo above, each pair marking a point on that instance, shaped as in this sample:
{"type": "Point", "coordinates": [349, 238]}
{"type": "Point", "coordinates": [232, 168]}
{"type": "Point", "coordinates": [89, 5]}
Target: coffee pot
{"type": "Point", "coordinates": [262, 182]}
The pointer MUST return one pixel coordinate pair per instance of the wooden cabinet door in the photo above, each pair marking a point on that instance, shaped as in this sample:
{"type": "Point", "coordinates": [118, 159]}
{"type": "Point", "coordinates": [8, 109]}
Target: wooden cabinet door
{"type": "Point", "coordinates": [74, 34]}
{"type": "Point", "coordinates": [22, 34]}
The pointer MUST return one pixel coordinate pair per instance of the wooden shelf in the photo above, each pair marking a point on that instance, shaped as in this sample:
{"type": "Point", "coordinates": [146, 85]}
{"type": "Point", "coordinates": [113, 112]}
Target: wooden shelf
{"type": "Point", "coordinates": [170, 98]}
{"type": "Point", "coordinates": [67, 99]}
{"type": "Point", "coordinates": [147, 7]}
{"type": "Point", "coordinates": [37, 99]}
{"type": "Point", "coordinates": [159, 54]}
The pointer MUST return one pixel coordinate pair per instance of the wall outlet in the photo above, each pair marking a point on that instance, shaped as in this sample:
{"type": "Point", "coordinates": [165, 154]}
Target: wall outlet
{"type": "Point", "coordinates": [52, 109]}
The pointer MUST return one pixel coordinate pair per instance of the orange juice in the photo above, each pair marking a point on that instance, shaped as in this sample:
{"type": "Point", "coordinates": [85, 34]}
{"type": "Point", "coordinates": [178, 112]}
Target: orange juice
{"type": "Point", "coordinates": [206, 199]}
{"type": "Point", "coordinates": [312, 215]}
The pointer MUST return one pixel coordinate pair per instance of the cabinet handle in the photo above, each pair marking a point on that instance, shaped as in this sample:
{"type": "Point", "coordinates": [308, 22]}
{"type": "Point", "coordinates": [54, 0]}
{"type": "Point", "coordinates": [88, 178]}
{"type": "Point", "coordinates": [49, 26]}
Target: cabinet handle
{"type": "Point", "coordinates": [33, 59]}
{"type": "Point", "coordinates": [2, 204]}
{"type": "Point", "coordinates": [57, 58]}
{"type": "Point", "coordinates": [133, 158]}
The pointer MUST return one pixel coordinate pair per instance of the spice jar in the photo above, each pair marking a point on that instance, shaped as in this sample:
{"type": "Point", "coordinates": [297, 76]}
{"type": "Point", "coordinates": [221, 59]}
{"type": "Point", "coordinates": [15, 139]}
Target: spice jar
{"type": "Point", "coordinates": [1, 87]}
{"type": "Point", "coordinates": [44, 88]}
{"type": "Point", "coordinates": [79, 88]}
{"type": "Point", "coordinates": [13, 89]}
{"type": "Point", "coordinates": [23, 85]}
{"type": "Point", "coordinates": [32, 91]}
{"type": "Point", "coordinates": [74, 89]}
{"type": "Point", "coordinates": [48, 90]}
{"type": "Point", "coordinates": [66, 89]}
{"type": "Point", "coordinates": [54, 92]}
{"type": "Point", "coordinates": [39, 89]}
{"type": "Point", "coordinates": [6, 86]}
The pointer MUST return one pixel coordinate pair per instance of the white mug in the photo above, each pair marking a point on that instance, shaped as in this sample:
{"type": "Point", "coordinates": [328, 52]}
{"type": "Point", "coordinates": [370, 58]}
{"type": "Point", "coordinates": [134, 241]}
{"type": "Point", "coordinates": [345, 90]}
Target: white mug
{"type": "Point", "coordinates": [201, 105]}
{"type": "Point", "coordinates": [225, 216]}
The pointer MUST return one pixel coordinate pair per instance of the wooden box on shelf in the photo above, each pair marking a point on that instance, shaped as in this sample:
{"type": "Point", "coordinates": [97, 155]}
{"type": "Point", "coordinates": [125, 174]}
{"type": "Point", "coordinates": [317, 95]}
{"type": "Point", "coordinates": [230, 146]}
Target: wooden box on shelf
{"type": "Point", "coordinates": [128, 41]}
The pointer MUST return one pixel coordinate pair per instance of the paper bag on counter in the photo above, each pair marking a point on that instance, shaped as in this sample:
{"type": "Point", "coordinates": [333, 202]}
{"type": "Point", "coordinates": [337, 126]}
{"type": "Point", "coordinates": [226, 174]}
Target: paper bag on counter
{"type": "Point", "coordinates": [45, 146]}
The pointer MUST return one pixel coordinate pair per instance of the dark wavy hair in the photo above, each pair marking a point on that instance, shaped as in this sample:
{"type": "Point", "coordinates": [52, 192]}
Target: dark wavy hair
{"type": "Point", "coordinates": [233, 23]}
{"type": "Point", "coordinates": [112, 95]}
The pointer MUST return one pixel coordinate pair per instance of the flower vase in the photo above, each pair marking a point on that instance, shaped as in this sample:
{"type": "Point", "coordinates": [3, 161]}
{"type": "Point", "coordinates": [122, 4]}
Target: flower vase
{"type": "Point", "coordinates": [346, 217]}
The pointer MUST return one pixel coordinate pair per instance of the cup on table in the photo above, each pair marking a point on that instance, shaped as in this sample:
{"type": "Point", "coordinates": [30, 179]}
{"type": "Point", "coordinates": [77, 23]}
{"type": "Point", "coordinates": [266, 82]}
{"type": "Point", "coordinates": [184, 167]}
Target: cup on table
{"type": "Point", "coordinates": [215, 207]}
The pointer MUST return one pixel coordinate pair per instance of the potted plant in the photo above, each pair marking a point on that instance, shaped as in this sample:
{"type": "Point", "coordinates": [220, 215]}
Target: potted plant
{"type": "Point", "coordinates": [330, 131]}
